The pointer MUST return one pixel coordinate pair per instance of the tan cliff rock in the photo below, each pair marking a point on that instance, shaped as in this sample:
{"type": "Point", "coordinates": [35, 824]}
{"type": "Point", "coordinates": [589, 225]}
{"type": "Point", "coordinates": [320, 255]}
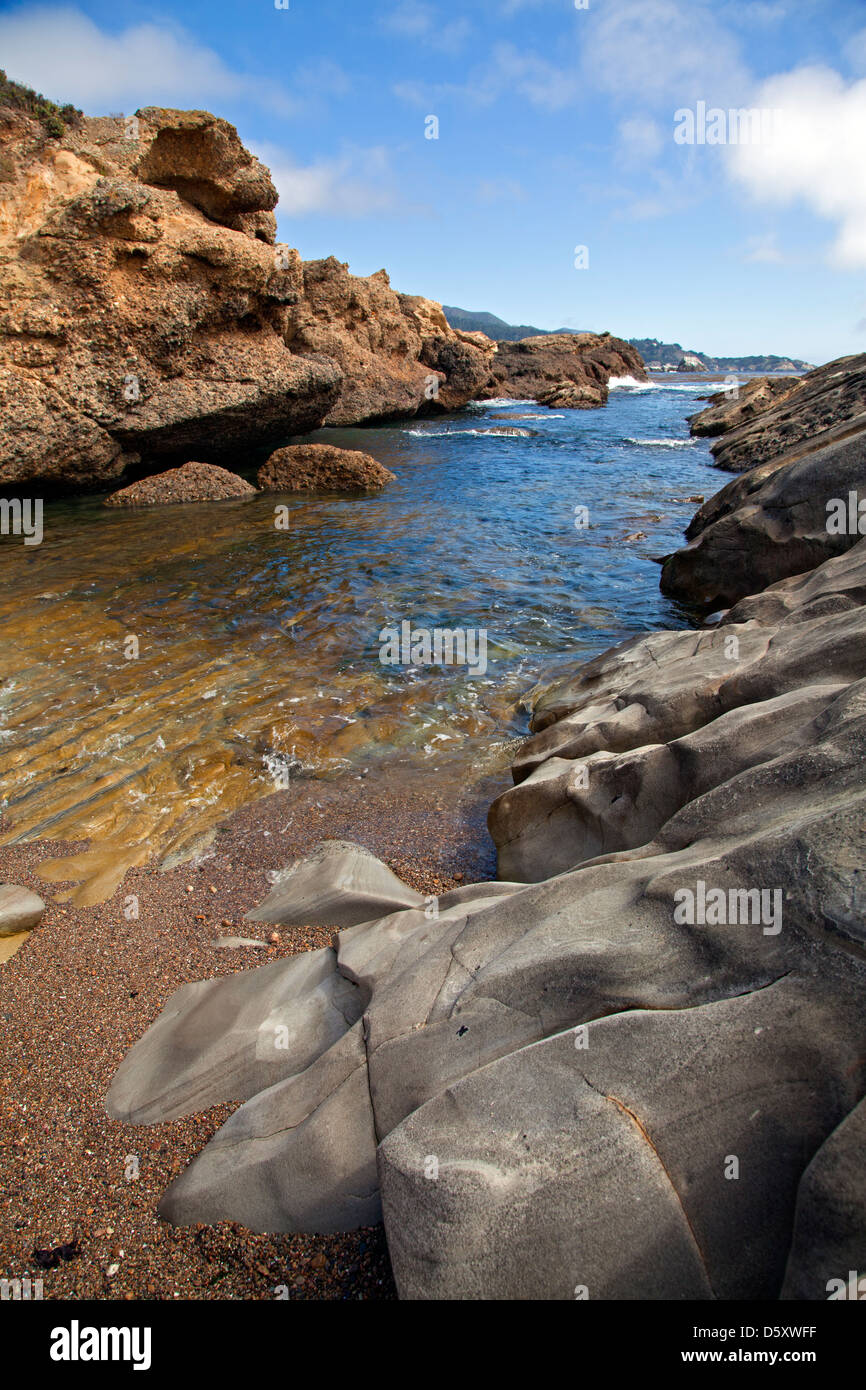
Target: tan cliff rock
{"type": "Point", "coordinates": [147, 316]}
{"type": "Point", "coordinates": [397, 353]}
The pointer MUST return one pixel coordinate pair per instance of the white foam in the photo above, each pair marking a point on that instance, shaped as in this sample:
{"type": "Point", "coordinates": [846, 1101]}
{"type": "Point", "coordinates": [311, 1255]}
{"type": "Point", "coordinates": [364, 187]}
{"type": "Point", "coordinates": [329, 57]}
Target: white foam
{"type": "Point", "coordinates": [499, 401]}
{"type": "Point", "coordinates": [628, 383]}
{"type": "Point", "coordinates": [620, 383]}
{"type": "Point", "coordinates": [663, 443]}
{"type": "Point", "coordinates": [504, 433]}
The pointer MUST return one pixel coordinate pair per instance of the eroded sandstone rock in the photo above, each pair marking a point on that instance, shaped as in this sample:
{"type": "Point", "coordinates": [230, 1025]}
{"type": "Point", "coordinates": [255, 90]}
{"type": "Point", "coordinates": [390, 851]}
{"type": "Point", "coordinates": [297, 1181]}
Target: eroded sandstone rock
{"type": "Point", "coordinates": [782, 418]}
{"type": "Point", "coordinates": [730, 410]}
{"type": "Point", "coordinates": [566, 394]}
{"type": "Point", "coordinates": [146, 316]}
{"type": "Point", "coordinates": [768, 523]}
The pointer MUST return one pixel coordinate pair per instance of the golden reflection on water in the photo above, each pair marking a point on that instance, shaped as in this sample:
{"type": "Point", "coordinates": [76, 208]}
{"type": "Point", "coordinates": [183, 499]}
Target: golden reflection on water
{"type": "Point", "coordinates": [256, 654]}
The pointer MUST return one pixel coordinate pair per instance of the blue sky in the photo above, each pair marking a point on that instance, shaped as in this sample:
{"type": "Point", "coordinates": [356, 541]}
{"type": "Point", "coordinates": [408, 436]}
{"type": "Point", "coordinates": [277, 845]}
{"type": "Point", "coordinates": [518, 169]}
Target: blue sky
{"type": "Point", "coordinates": [556, 130]}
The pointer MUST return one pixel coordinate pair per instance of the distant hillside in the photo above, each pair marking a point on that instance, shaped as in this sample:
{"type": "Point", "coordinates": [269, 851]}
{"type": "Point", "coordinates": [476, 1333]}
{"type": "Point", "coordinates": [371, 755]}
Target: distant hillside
{"type": "Point", "coordinates": [656, 354]}
{"type": "Point", "coordinates": [471, 322]}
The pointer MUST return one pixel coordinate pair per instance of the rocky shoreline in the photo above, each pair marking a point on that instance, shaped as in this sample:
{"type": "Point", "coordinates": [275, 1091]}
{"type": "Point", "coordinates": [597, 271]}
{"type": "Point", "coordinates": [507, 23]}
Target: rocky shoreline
{"type": "Point", "coordinates": [670, 965]}
{"type": "Point", "coordinates": [629, 1066]}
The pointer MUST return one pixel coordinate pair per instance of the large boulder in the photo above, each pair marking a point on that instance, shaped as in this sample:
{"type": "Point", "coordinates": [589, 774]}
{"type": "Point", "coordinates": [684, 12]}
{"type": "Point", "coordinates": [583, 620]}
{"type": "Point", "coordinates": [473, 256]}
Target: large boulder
{"type": "Point", "coordinates": [192, 482]}
{"type": "Point", "coordinates": [565, 394]}
{"type": "Point", "coordinates": [322, 468]}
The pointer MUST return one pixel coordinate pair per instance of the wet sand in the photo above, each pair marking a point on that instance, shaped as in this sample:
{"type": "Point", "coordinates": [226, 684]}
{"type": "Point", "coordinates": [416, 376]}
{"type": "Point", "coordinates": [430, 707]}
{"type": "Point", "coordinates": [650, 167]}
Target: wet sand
{"type": "Point", "coordinates": [87, 984]}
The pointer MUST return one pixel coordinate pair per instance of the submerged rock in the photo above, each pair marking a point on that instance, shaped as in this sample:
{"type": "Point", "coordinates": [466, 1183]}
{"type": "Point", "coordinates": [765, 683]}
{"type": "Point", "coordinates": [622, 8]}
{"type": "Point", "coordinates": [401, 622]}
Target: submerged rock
{"type": "Point", "coordinates": [321, 467]}
{"type": "Point", "coordinates": [193, 482]}
{"type": "Point", "coordinates": [512, 432]}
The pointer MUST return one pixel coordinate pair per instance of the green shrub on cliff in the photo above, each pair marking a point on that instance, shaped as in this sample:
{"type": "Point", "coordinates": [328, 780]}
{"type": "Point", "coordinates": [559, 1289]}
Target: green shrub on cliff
{"type": "Point", "coordinates": [53, 117]}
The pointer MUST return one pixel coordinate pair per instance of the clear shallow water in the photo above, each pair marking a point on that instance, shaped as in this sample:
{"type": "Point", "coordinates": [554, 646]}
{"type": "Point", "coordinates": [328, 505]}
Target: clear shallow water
{"type": "Point", "coordinates": [258, 648]}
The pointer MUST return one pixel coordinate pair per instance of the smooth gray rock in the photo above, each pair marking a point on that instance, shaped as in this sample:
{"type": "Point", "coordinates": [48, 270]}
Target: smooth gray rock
{"type": "Point", "coordinates": [20, 910]}
{"type": "Point", "coordinates": [768, 523]}
{"type": "Point", "coordinates": [227, 1039]}
{"type": "Point", "coordinates": [299, 1156]}
{"type": "Point", "coordinates": [829, 1243]}
{"type": "Point", "coordinates": [612, 1166]}
{"type": "Point", "coordinates": [336, 885]}
{"type": "Point", "coordinates": [559, 1068]}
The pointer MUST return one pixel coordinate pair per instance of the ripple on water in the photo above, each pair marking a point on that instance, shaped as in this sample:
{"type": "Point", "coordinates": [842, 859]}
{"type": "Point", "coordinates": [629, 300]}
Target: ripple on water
{"type": "Point", "coordinates": [160, 668]}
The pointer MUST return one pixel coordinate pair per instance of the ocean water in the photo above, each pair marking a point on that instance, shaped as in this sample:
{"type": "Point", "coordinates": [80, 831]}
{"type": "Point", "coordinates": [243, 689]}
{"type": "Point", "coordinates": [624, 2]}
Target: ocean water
{"type": "Point", "coordinates": [160, 667]}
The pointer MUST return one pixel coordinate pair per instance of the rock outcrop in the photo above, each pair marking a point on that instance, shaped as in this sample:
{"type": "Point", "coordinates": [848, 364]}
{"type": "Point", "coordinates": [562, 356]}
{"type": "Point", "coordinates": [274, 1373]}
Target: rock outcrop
{"type": "Point", "coordinates": [322, 468]}
{"type": "Point", "coordinates": [729, 410]}
{"type": "Point", "coordinates": [146, 316]}
{"type": "Point", "coordinates": [690, 363]}
{"type": "Point", "coordinates": [793, 509]}
{"type": "Point", "coordinates": [566, 395]}
{"type": "Point", "coordinates": [397, 354]}
{"type": "Point", "coordinates": [545, 368]}
{"type": "Point", "coordinates": [781, 418]}
{"type": "Point", "coordinates": [546, 1080]}
{"type": "Point", "coordinates": [192, 482]}
{"type": "Point", "coordinates": [779, 519]}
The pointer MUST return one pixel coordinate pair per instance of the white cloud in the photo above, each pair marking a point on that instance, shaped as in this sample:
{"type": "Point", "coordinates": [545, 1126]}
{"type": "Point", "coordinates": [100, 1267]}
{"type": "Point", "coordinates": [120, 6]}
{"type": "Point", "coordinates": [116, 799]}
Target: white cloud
{"type": "Point", "coordinates": [641, 140]}
{"type": "Point", "coordinates": [354, 184]}
{"type": "Point", "coordinates": [421, 23]}
{"type": "Point", "coordinates": [664, 51]}
{"type": "Point", "coordinates": [815, 156]}
{"type": "Point", "coordinates": [541, 82]}
{"type": "Point", "coordinates": [757, 13]}
{"type": "Point", "coordinates": [762, 250]}
{"type": "Point", "coordinates": [59, 51]}
{"type": "Point", "coordinates": [855, 51]}
{"type": "Point", "coordinates": [508, 72]}
{"type": "Point", "coordinates": [501, 191]}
